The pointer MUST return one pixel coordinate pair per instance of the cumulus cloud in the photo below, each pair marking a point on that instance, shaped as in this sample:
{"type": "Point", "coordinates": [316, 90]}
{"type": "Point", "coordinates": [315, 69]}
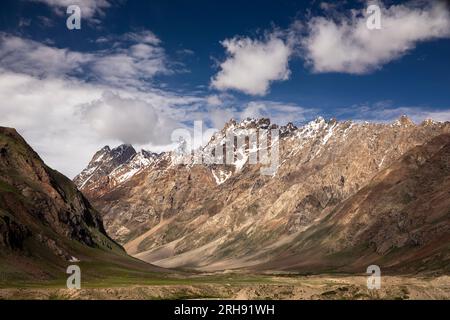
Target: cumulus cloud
{"type": "Point", "coordinates": [219, 116]}
{"type": "Point", "coordinates": [130, 120]}
{"type": "Point", "coordinates": [67, 120]}
{"type": "Point", "coordinates": [251, 65]}
{"type": "Point", "coordinates": [89, 8]}
{"type": "Point", "coordinates": [214, 100]}
{"type": "Point", "coordinates": [221, 99]}
{"type": "Point", "coordinates": [43, 111]}
{"type": "Point", "coordinates": [69, 104]}
{"type": "Point", "coordinates": [343, 43]}
{"type": "Point", "coordinates": [132, 60]}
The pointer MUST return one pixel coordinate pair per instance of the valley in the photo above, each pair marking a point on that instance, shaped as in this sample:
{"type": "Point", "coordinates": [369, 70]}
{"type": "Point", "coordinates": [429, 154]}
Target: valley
{"type": "Point", "coordinates": [345, 196]}
{"type": "Point", "coordinates": [244, 287]}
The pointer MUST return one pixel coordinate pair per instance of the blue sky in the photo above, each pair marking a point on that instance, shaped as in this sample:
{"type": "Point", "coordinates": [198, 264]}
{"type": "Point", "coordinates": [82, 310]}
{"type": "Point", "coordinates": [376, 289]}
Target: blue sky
{"type": "Point", "coordinates": [168, 63]}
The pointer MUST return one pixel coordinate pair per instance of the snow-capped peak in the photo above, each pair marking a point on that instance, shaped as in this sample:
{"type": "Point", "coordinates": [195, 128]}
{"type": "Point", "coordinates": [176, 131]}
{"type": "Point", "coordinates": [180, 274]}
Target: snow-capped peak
{"type": "Point", "coordinates": [403, 121]}
{"type": "Point", "coordinates": [118, 164]}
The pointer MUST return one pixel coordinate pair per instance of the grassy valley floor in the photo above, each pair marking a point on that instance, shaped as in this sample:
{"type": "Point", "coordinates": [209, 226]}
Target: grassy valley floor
{"type": "Point", "coordinates": [239, 286]}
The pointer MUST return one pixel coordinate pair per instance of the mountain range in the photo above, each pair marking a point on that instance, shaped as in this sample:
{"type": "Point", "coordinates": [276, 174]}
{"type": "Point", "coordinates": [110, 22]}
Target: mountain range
{"type": "Point", "coordinates": [345, 195]}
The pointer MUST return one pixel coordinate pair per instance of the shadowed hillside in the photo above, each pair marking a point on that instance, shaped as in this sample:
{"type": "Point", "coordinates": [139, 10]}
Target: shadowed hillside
{"type": "Point", "coordinates": [46, 224]}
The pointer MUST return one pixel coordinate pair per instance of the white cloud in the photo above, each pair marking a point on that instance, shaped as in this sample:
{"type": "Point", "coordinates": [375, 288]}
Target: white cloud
{"type": "Point", "coordinates": [45, 21]}
{"type": "Point", "coordinates": [69, 104]}
{"type": "Point", "coordinates": [23, 55]}
{"type": "Point", "coordinates": [214, 100]}
{"type": "Point", "coordinates": [89, 8]}
{"type": "Point", "coordinates": [23, 22]}
{"type": "Point", "coordinates": [219, 116]}
{"type": "Point", "coordinates": [134, 59]}
{"type": "Point", "coordinates": [145, 36]}
{"type": "Point", "coordinates": [251, 65]}
{"type": "Point", "coordinates": [343, 43]}
{"type": "Point", "coordinates": [222, 99]}
{"type": "Point", "coordinates": [130, 120]}
{"type": "Point", "coordinates": [67, 120]}
{"type": "Point", "coordinates": [384, 111]}
{"type": "Point", "coordinates": [44, 112]}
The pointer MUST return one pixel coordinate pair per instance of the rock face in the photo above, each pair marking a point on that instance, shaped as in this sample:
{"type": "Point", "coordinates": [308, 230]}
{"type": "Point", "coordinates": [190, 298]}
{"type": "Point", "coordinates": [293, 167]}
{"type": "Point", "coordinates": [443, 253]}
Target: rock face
{"type": "Point", "coordinates": [400, 220]}
{"type": "Point", "coordinates": [108, 168]}
{"type": "Point", "coordinates": [44, 219]}
{"type": "Point", "coordinates": [214, 216]}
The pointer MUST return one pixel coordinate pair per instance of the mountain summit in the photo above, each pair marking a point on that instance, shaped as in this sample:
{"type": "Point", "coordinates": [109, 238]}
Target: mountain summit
{"type": "Point", "coordinates": [109, 168]}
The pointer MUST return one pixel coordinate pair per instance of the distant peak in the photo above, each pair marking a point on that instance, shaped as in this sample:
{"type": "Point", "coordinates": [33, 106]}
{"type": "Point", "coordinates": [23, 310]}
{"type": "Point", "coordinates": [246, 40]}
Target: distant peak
{"type": "Point", "coordinates": [123, 153]}
{"type": "Point", "coordinates": [404, 121]}
{"type": "Point", "coordinates": [428, 122]}
{"type": "Point", "coordinates": [248, 123]}
{"type": "Point", "coordinates": [124, 148]}
{"type": "Point", "coordinates": [147, 154]}
{"type": "Point", "coordinates": [288, 129]}
{"type": "Point", "coordinates": [319, 119]}
{"type": "Point", "coordinates": [332, 120]}
{"type": "Point", "coordinates": [254, 122]}
{"type": "Point", "coordinates": [291, 126]}
{"type": "Point", "coordinates": [230, 123]}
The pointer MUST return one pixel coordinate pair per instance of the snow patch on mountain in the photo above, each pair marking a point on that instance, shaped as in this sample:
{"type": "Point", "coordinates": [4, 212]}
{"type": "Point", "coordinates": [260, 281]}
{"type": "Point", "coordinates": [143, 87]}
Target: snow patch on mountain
{"type": "Point", "coordinates": [221, 175]}
{"type": "Point", "coordinates": [114, 166]}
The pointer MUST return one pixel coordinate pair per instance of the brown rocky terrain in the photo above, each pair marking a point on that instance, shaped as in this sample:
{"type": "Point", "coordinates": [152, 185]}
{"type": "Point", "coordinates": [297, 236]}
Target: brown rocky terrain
{"type": "Point", "coordinates": [216, 216]}
{"type": "Point", "coordinates": [400, 220]}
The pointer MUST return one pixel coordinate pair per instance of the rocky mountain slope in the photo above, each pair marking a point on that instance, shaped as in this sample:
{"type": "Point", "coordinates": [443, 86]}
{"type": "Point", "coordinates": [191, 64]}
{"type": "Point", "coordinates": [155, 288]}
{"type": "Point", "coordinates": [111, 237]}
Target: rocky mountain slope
{"type": "Point", "coordinates": [399, 220]}
{"type": "Point", "coordinates": [108, 168]}
{"type": "Point", "coordinates": [45, 222]}
{"type": "Point", "coordinates": [222, 216]}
